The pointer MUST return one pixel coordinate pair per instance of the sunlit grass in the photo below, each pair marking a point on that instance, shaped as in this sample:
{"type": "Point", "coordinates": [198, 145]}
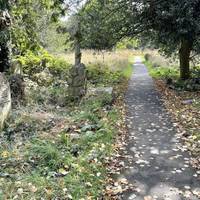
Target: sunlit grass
{"type": "Point", "coordinates": [66, 148]}
{"type": "Point", "coordinates": [115, 60]}
{"type": "Point", "coordinates": [127, 72]}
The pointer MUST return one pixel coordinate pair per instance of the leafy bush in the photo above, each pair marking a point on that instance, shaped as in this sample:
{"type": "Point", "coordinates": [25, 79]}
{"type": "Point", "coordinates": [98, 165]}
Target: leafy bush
{"type": "Point", "coordinates": [59, 67]}
{"type": "Point", "coordinates": [164, 73]}
{"type": "Point", "coordinates": [159, 67]}
{"type": "Point", "coordinates": [102, 75]}
{"type": "Point", "coordinates": [36, 63]}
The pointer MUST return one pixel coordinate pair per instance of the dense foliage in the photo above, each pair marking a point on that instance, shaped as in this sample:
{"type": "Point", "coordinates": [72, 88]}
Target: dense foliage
{"type": "Point", "coordinates": [159, 22]}
{"type": "Point", "coordinates": [105, 23]}
{"type": "Point", "coordinates": [102, 26]}
{"type": "Point", "coordinates": [30, 21]}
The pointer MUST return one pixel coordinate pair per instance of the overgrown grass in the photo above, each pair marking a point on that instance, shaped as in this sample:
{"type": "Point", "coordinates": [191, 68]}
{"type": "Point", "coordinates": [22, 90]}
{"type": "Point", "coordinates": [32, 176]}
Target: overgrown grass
{"type": "Point", "coordinates": [110, 71]}
{"type": "Point", "coordinates": [162, 72]}
{"type": "Point", "coordinates": [128, 70]}
{"type": "Point", "coordinates": [114, 60]}
{"type": "Point", "coordinates": [160, 67]}
{"type": "Point", "coordinates": [64, 166]}
{"type": "Point", "coordinates": [171, 75]}
{"type": "Point", "coordinates": [59, 151]}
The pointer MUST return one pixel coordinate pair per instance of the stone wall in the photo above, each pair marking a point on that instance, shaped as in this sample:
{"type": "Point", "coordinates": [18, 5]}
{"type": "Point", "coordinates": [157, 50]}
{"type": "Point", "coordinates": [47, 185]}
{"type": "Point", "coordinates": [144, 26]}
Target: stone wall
{"type": "Point", "coordinates": [5, 99]}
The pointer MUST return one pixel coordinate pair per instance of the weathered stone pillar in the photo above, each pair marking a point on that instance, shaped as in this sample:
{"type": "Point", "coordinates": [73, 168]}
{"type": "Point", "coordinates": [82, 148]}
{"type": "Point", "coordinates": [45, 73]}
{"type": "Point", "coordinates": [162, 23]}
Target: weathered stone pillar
{"type": "Point", "coordinates": [77, 78]}
{"type": "Point", "coordinates": [5, 99]}
{"type": "Point", "coordinates": [77, 81]}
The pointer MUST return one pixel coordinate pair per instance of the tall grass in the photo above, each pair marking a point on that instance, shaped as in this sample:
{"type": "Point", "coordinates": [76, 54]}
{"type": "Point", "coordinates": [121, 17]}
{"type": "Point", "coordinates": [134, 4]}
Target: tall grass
{"type": "Point", "coordinates": [160, 60]}
{"type": "Point", "coordinates": [114, 60]}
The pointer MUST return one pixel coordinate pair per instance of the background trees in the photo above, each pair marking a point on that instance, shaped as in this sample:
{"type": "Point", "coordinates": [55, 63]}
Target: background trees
{"type": "Point", "coordinates": [105, 23]}
{"type": "Point", "coordinates": [171, 26]}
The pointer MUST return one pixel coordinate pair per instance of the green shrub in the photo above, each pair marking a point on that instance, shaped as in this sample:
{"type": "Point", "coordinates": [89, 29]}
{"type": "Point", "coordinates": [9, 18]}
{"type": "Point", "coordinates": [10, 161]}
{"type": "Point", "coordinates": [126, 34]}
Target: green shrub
{"type": "Point", "coordinates": [102, 75]}
{"type": "Point", "coordinates": [157, 70]}
{"type": "Point", "coordinates": [34, 63]}
{"type": "Point", "coordinates": [172, 77]}
{"type": "Point", "coordinates": [59, 67]}
{"type": "Point", "coordinates": [164, 73]}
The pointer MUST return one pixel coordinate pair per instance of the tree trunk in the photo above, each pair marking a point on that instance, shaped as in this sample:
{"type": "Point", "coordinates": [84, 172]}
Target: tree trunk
{"type": "Point", "coordinates": [5, 43]}
{"type": "Point", "coordinates": [184, 57]}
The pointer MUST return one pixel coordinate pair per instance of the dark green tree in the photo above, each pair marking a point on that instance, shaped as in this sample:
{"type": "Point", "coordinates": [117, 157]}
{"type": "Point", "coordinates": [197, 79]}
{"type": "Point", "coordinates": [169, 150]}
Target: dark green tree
{"type": "Point", "coordinates": [174, 27]}
{"type": "Point", "coordinates": [105, 23]}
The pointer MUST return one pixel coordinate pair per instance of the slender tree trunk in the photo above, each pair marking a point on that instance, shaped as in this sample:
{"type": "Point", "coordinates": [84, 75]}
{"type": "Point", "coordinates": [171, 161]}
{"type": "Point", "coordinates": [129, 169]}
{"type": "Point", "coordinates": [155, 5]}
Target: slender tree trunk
{"type": "Point", "coordinates": [184, 57]}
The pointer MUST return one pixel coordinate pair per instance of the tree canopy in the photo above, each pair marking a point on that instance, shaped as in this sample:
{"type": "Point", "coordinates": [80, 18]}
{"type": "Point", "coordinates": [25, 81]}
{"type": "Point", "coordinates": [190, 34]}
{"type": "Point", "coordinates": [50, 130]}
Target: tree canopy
{"type": "Point", "coordinates": [171, 26]}
{"type": "Point", "coordinates": [22, 23]}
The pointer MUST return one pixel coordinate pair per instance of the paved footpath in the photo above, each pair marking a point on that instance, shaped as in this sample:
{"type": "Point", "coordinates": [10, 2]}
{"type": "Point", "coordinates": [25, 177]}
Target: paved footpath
{"type": "Point", "coordinates": [160, 167]}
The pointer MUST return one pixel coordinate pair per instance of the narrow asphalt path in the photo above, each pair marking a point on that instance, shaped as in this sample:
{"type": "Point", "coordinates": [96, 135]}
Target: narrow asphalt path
{"type": "Point", "coordinates": [159, 165]}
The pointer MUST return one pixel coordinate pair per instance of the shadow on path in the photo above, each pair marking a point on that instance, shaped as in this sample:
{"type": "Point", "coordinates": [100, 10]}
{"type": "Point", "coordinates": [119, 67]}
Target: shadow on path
{"type": "Point", "coordinates": [160, 165]}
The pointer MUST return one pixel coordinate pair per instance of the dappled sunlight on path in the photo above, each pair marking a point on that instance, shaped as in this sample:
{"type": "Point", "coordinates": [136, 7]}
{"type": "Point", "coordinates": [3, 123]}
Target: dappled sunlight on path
{"type": "Point", "coordinates": [158, 164]}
